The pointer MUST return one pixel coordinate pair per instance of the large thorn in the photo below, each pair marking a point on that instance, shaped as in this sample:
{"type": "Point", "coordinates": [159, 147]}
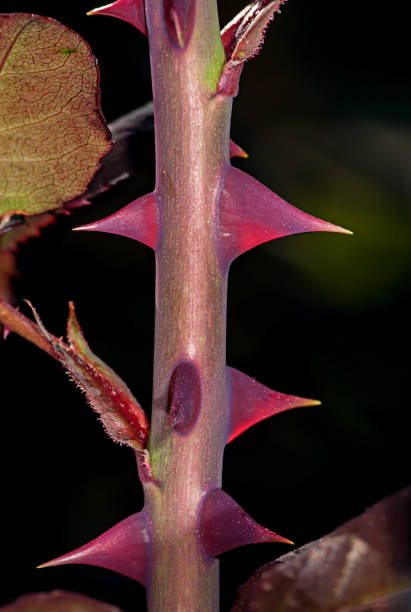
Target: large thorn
{"type": "Point", "coordinates": [225, 525]}
{"type": "Point", "coordinates": [251, 214]}
{"type": "Point", "coordinates": [123, 549]}
{"type": "Point", "coordinates": [138, 220]}
{"type": "Point", "coordinates": [252, 402]}
{"type": "Point", "coordinates": [131, 11]}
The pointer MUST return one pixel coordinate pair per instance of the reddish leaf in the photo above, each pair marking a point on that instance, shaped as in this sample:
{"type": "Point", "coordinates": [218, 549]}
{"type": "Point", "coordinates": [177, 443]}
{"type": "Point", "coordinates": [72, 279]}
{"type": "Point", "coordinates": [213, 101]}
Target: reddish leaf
{"type": "Point", "coordinates": [242, 39]}
{"type": "Point", "coordinates": [121, 414]}
{"type": "Point", "coordinates": [52, 133]}
{"type": "Point", "coordinates": [58, 601]}
{"type": "Point", "coordinates": [363, 566]}
{"type": "Point", "coordinates": [21, 325]}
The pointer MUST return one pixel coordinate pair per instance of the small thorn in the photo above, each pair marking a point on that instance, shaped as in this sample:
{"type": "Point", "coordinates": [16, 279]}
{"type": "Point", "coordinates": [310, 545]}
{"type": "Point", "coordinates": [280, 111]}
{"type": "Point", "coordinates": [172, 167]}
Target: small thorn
{"type": "Point", "coordinates": [237, 151]}
{"type": "Point", "coordinates": [252, 402]}
{"type": "Point", "coordinates": [122, 549]}
{"type": "Point", "coordinates": [138, 220]}
{"type": "Point", "coordinates": [225, 525]}
{"type": "Point", "coordinates": [6, 331]}
{"type": "Point", "coordinates": [131, 11]}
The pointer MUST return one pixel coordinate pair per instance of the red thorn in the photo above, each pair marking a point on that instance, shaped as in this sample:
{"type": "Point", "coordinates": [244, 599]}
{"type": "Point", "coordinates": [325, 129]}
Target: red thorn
{"type": "Point", "coordinates": [252, 214]}
{"type": "Point", "coordinates": [5, 331]}
{"type": "Point", "coordinates": [138, 220]}
{"type": "Point", "coordinates": [131, 11]}
{"type": "Point", "coordinates": [252, 402]}
{"type": "Point", "coordinates": [237, 151]}
{"type": "Point", "coordinates": [225, 525]}
{"type": "Point", "coordinates": [122, 549]}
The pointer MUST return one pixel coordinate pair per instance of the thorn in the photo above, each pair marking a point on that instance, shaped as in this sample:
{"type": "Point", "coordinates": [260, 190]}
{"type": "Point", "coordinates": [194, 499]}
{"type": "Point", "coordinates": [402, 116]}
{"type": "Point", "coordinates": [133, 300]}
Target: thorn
{"type": "Point", "coordinates": [252, 402]}
{"type": "Point", "coordinates": [252, 214]}
{"type": "Point", "coordinates": [225, 525]}
{"type": "Point", "coordinates": [5, 332]}
{"type": "Point", "coordinates": [122, 549]}
{"type": "Point", "coordinates": [138, 220]}
{"type": "Point", "coordinates": [237, 151]}
{"type": "Point", "coordinates": [131, 11]}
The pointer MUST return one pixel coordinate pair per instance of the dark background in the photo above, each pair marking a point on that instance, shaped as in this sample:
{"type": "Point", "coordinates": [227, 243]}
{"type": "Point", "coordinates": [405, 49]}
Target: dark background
{"type": "Point", "coordinates": [324, 113]}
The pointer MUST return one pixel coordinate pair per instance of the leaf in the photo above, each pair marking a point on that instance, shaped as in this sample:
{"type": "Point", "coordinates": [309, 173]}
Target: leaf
{"type": "Point", "coordinates": [120, 413]}
{"type": "Point", "coordinates": [119, 164]}
{"type": "Point", "coordinates": [61, 601]}
{"type": "Point", "coordinates": [52, 132]}
{"type": "Point", "coordinates": [362, 566]}
{"type": "Point", "coordinates": [242, 39]}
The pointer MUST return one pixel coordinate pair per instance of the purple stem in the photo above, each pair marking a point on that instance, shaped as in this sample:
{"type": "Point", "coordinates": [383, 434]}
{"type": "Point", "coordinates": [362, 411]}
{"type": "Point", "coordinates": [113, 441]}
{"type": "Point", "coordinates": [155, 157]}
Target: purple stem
{"type": "Point", "coordinates": [192, 150]}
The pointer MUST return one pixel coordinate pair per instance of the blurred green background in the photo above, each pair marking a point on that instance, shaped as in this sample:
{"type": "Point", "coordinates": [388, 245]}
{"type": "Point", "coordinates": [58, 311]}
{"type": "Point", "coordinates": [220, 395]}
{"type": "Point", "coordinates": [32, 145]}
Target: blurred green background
{"type": "Point", "coordinates": [324, 113]}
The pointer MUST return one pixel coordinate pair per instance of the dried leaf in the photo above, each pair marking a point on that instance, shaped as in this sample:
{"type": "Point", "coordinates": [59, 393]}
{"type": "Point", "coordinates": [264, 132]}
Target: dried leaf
{"type": "Point", "coordinates": [362, 566]}
{"type": "Point", "coordinates": [52, 132]}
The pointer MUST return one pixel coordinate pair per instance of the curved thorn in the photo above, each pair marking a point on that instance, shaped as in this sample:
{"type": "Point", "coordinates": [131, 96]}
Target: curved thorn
{"type": "Point", "coordinates": [138, 220]}
{"type": "Point", "coordinates": [122, 549]}
{"type": "Point", "coordinates": [252, 402]}
{"type": "Point", "coordinates": [251, 214]}
{"type": "Point", "coordinates": [225, 525]}
{"type": "Point", "coordinates": [131, 11]}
